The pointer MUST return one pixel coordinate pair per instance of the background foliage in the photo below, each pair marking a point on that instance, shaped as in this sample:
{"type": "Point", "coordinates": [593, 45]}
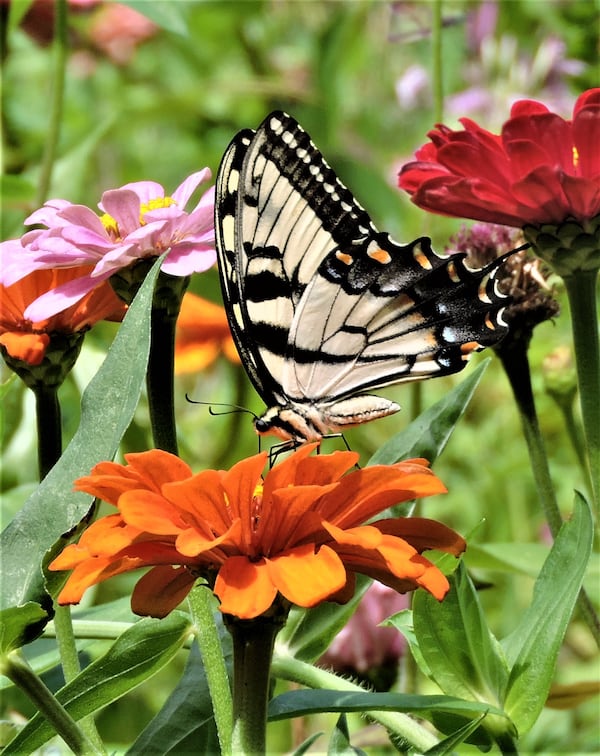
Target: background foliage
{"type": "Point", "coordinates": [357, 76]}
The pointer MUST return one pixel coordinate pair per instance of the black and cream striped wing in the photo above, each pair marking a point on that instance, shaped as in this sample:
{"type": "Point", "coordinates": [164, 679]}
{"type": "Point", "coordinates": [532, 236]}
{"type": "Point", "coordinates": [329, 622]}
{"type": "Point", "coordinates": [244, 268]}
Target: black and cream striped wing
{"type": "Point", "coordinates": [323, 306]}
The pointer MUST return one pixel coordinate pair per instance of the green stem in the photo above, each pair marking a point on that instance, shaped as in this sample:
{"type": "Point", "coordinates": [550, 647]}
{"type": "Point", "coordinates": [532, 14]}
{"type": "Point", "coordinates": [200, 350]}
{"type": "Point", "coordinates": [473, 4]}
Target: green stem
{"type": "Point", "coordinates": [437, 62]}
{"type": "Point", "coordinates": [19, 672]}
{"type": "Point", "coordinates": [201, 607]}
{"type": "Point", "coordinates": [513, 355]}
{"type": "Point", "coordinates": [69, 660]}
{"type": "Point", "coordinates": [401, 725]}
{"type": "Point", "coordinates": [160, 379]}
{"type": "Point", "coordinates": [60, 49]}
{"type": "Point", "coordinates": [253, 642]}
{"type": "Point", "coordinates": [49, 432]}
{"type": "Point", "coordinates": [581, 291]}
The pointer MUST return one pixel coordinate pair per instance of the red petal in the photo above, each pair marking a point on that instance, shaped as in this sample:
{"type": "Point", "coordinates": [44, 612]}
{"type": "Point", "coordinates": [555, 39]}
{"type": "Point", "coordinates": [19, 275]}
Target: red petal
{"type": "Point", "coordinates": [161, 590]}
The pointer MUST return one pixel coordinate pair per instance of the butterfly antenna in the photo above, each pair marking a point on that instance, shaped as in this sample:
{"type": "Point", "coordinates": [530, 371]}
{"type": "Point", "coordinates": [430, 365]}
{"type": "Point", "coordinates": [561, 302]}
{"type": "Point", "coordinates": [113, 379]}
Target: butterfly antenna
{"type": "Point", "coordinates": [231, 408]}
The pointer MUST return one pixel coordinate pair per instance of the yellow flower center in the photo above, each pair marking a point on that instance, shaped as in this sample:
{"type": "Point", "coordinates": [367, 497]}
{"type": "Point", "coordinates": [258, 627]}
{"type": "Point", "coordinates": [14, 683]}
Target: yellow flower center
{"type": "Point", "coordinates": [575, 157]}
{"type": "Point", "coordinates": [155, 204]}
{"type": "Point", "coordinates": [111, 225]}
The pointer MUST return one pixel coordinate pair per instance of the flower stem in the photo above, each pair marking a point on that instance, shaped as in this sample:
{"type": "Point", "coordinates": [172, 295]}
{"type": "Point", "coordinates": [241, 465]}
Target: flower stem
{"type": "Point", "coordinates": [60, 49]}
{"type": "Point", "coordinates": [437, 62]}
{"type": "Point", "coordinates": [69, 660]}
{"type": "Point", "coordinates": [21, 674]}
{"type": "Point", "coordinates": [253, 642]}
{"type": "Point", "coordinates": [199, 601]}
{"type": "Point", "coordinates": [513, 356]}
{"type": "Point", "coordinates": [49, 432]}
{"type": "Point", "coordinates": [581, 291]}
{"type": "Point", "coordinates": [160, 377]}
{"type": "Point", "coordinates": [288, 668]}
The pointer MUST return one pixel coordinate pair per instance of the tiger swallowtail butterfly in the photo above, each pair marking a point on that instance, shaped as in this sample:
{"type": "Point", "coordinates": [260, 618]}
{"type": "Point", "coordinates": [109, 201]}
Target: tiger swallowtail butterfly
{"type": "Point", "coordinates": [323, 307]}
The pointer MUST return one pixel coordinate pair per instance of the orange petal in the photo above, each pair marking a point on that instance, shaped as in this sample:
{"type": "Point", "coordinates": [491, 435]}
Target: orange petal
{"type": "Point", "coordinates": [161, 590]}
{"type": "Point", "coordinates": [364, 493]}
{"type": "Point", "coordinates": [423, 534]}
{"type": "Point", "coordinates": [202, 497]}
{"type": "Point", "coordinates": [240, 485]}
{"type": "Point", "coordinates": [306, 578]}
{"type": "Point", "coordinates": [150, 513]}
{"type": "Point", "coordinates": [244, 588]}
{"type": "Point", "coordinates": [93, 571]}
{"type": "Point", "coordinates": [28, 347]}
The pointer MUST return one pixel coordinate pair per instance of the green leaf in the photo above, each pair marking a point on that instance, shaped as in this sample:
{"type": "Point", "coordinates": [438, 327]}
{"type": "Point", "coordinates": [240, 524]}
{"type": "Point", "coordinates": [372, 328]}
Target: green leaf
{"type": "Point", "coordinates": [429, 433]}
{"type": "Point", "coordinates": [447, 745]}
{"type": "Point", "coordinates": [137, 654]}
{"type": "Point", "coordinates": [308, 633]}
{"type": "Point", "coordinates": [532, 648]}
{"type": "Point", "coordinates": [18, 9]}
{"type": "Point", "coordinates": [464, 657]}
{"type": "Point", "coordinates": [21, 625]}
{"type": "Point", "coordinates": [339, 742]}
{"type": "Point", "coordinates": [185, 724]}
{"type": "Point", "coordinates": [298, 703]}
{"type": "Point", "coordinates": [108, 404]}
{"type": "Point", "coordinates": [403, 623]}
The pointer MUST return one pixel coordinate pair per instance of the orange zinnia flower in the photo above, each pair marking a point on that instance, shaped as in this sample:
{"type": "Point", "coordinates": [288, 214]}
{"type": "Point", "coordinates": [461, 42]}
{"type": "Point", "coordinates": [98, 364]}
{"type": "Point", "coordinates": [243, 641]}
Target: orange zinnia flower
{"type": "Point", "coordinates": [202, 334]}
{"type": "Point", "coordinates": [295, 534]}
{"type": "Point", "coordinates": [27, 341]}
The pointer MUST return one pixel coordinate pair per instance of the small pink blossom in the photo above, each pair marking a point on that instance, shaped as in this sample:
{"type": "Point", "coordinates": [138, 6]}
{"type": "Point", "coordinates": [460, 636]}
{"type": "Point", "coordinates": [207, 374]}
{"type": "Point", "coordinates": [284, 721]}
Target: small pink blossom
{"type": "Point", "coordinates": [139, 221]}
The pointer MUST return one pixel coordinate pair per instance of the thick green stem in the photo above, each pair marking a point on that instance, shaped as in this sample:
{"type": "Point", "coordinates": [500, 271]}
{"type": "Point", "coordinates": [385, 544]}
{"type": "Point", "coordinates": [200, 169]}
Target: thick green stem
{"type": "Point", "coordinates": [253, 642]}
{"type": "Point", "coordinates": [513, 355]}
{"type": "Point", "coordinates": [49, 430]}
{"type": "Point", "coordinates": [201, 607]}
{"type": "Point", "coordinates": [160, 377]}
{"type": "Point", "coordinates": [516, 365]}
{"type": "Point", "coordinates": [19, 672]}
{"type": "Point", "coordinates": [401, 725]}
{"type": "Point", "coordinates": [56, 106]}
{"type": "Point", "coordinates": [581, 290]}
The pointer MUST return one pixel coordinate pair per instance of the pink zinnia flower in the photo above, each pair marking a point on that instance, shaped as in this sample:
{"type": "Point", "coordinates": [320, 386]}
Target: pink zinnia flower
{"type": "Point", "coordinates": [139, 221]}
{"type": "Point", "coordinates": [542, 169]}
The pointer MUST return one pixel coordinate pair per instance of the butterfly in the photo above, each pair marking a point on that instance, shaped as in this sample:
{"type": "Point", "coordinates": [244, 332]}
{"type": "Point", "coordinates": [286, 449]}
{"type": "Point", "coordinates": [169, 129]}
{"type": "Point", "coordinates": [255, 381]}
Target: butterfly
{"type": "Point", "coordinates": [322, 306]}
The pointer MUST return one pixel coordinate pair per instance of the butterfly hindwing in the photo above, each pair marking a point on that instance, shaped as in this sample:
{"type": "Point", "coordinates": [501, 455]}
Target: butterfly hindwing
{"type": "Point", "coordinates": [324, 307]}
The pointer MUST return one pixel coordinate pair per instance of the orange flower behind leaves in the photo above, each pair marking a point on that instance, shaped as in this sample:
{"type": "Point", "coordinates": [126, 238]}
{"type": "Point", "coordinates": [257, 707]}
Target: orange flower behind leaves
{"type": "Point", "coordinates": [295, 534]}
{"type": "Point", "coordinates": [202, 335]}
{"type": "Point", "coordinates": [27, 341]}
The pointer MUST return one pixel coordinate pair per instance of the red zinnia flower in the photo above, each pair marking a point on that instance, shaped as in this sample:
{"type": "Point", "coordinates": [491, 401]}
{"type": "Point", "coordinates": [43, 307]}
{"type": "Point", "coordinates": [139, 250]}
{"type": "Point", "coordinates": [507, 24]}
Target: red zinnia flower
{"type": "Point", "coordinates": [295, 534]}
{"type": "Point", "coordinates": [542, 169]}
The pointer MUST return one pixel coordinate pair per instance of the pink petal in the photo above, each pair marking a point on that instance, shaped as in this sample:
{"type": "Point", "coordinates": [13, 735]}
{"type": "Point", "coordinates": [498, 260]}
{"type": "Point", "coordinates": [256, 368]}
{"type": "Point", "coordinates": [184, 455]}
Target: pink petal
{"type": "Point", "coordinates": [115, 259]}
{"type": "Point", "coordinates": [145, 190]}
{"type": "Point", "coordinates": [59, 299]}
{"type": "Point", "coordinates": [183, 260]}
{"type": "Point", "coordinates": [80, 215]}
{"type": "Point", "coordinates": [207, 200]}
{"type": "Point", "coordinates": [185, 190]}
{"type": "Point", "coordinates": [124, 206]}
{"type": "Point", "coordinates": [48, 213]}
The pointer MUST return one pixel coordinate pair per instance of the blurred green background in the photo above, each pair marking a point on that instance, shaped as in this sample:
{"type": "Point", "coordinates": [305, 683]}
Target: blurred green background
{"type": "Point", "coordinates": [357, 75]}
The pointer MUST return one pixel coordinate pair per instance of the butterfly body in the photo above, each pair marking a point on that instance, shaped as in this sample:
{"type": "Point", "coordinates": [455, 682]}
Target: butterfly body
{"type": "Point", "coordinates": [323, 307]}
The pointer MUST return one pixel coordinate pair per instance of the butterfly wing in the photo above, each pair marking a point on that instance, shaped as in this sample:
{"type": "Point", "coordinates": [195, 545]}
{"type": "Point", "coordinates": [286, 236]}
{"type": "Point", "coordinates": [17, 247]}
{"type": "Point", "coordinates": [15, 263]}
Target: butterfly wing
{"type": "Point", "coordinates": [322, 305]}
{"type": "Point", "coordinates": [279, 210]}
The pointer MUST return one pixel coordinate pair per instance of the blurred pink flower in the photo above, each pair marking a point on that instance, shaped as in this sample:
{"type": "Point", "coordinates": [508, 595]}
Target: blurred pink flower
{"type": "Point", "coordinates": [363, 648]}
{"type": "Point", "coordinates": [139, 221]}
{"type": "Point", "coordinates": [117, 30]}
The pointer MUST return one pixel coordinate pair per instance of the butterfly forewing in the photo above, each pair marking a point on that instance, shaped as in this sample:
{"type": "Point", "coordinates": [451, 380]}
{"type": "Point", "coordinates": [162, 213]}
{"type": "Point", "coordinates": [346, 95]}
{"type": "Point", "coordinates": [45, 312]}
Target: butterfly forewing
{"type": "Point", "coordinates": [323, 306]}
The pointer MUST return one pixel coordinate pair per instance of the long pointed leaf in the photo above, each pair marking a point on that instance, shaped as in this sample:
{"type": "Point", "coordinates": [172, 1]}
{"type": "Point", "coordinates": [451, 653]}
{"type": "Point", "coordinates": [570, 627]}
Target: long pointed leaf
{"type": "Point", "coordinates": [532, 648]}
{"type": "Point", "coordinates": [428, 435]}
{"type": "Point", "coordinates": [108, 404]}
{"type": "Point", "coordinates": [136, 655]}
